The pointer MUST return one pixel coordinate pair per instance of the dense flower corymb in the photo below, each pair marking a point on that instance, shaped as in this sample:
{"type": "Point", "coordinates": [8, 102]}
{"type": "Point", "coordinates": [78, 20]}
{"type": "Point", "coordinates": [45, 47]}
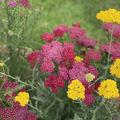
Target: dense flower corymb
{"type": "Point", "coordinates": [22, 98]}
{"type": "Point", "coordinates": [109, 16]}
{"type": "Point", "coordinates": [16, 112]}
{"type": "Point", "coordinates": [115, 68]}
{"type": "Point", "coordinates": [108, 89]}
{"type": "Point", "coordinates": [76, 90]}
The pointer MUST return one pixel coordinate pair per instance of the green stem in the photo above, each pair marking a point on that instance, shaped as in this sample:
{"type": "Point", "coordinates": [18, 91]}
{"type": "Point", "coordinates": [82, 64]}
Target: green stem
{"type": "Point", "coordinates": [97, 108]}
{"type": "Point", "coordinates": [109, 52]}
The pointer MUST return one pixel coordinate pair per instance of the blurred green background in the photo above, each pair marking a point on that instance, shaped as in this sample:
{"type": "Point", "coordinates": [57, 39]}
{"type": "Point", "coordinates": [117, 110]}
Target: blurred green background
{"type": "Point", "coordinates": [54, 12]}
{"type": "Point", "coordinates": [46, 14]}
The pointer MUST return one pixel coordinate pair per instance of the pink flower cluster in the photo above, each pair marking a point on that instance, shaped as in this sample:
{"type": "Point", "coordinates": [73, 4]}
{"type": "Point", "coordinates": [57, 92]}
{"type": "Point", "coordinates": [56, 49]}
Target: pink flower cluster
{"type": "Point", "coordinates": [57, 59]}
{"type": "Point", "coordinates": [93, 55]}
{"type": "Point", "coordinates": [112, 48]}
{"type": "Point", "coordinates": [113, 29]}
{"type": "Point", "coordinates": [14, 3]}
{"type": "Point", "coordinates": [54, 81]}
{"type": "Point", "coordinates": [16, 112]}
{"type": "Point", "coordinates": [10, 86]}
{"type": "Point", "coordinates": [75, 33]}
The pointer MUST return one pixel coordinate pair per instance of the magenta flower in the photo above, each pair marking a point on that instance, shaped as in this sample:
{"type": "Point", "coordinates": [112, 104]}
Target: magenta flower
{"type": "Point", "coordinates": [89, 93]}
{"type": "Point", "coordinates": [60, 30]}
{"type": "Point", "coordinates": [52, 51]}
{"type": "Point", "coordinates": [68, 54]}
{"type": "Point", "coordinates": [113, 29]}
{"type": "Point", "coordinates": [54, 82]}
{"type": "Point", "coordinates": [78, 71]}
{"type": "Point", "coordinates": [47, 66]}
{"type": "Point", "coordinates": [35, 58]}
{"type": "Point", "coordinates": [10, 85]}
{"type": "Point", "coordinates": [7, 87]}
{"type": "Point", "coordinates": [16, 113]}
{"type": "Point", "coordinates": [93, 70]}
{"type": "Point", "coordinates": [64, 72]}
{"type": "Point", "coordinates": [12, 3]}
{"type": "Point", "coordinates": [76, 33]}
{"type": "Point", "coordinates": [113, 49]}
{"type": "Point", "coordinates": [87, 42]}
{"type": "Point", "coordinates": [93, 55]}
{"type": "Point", "coordinates": [89, 99]}
{"type": "Point", "coordinates": [48, 37]}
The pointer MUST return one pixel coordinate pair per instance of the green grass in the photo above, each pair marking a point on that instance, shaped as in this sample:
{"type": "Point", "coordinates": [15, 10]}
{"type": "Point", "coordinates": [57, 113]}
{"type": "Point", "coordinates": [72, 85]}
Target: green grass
{"type": "Point", "coordinates": [46, 14]}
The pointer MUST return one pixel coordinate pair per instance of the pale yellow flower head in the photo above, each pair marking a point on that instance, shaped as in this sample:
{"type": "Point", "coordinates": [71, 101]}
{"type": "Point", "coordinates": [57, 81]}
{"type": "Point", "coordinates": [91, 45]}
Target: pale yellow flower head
{"type": "Point", "coordinates": [22, 98]}
{"type": "Point", "coordinates": [76, 90]}
{"type": "Point", "coordinates": [89, 77]}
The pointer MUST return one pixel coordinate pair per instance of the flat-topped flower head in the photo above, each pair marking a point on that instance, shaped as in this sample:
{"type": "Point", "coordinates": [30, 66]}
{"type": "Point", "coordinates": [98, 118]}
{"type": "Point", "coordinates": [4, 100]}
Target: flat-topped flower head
{"type": "Point", "coordinates": [76, 90]}
{"type": "Point", "coordinates": [78, 59]}
{"type": "Point", "coordinates": [22, 98]}
{"type": "Point", "coordinates": [115, 68]}
{"type": "Point", "coordinates": [109, 16]}
{"type": "Point", "coordinates": [90, 77]}
{"type": "Point", "coordinates": [108, 89]}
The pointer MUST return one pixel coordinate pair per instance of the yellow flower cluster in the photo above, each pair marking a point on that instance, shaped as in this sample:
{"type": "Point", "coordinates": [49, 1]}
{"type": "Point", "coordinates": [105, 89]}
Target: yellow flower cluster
{"type": "Point", "coordinates": [108, 89]}
{"type": "Point", "coordinates": [22, 98]}
{"type": "Point", "coordinates": [89, 77]}
{"type": "Point", "coordinates": [78, 59]}
{"type": "Point", "coordinates": [76, 90]}
{"type": "Point", "coordinates": [109, 16]}
{"type": "Point", "coordinates": [115, 68]}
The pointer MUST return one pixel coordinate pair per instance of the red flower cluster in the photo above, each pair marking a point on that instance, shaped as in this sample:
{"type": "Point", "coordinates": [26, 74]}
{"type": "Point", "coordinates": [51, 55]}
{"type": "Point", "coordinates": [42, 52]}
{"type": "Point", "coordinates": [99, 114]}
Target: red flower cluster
{"type": "Point", "coordinates": [58, 59]}
{"type": "Point", "coordinates": [54, 81]}
{"type": "Point", "coordinates": [16, 113]}
{"type": "Point", "coordinates": [75, 33]}
{"type": "Point", "coordinates": [9, 88]}
{"type": "Point", "coordinates": [48, 37]}
{"type": "Point", "coordinates": [60, 30]}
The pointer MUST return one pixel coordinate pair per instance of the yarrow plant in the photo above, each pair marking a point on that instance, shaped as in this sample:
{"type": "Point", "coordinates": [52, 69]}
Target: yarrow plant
{"type": "Point", "coordinates": [69, 80]}
{"type": "Point", "coordinates": [77, 71]}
